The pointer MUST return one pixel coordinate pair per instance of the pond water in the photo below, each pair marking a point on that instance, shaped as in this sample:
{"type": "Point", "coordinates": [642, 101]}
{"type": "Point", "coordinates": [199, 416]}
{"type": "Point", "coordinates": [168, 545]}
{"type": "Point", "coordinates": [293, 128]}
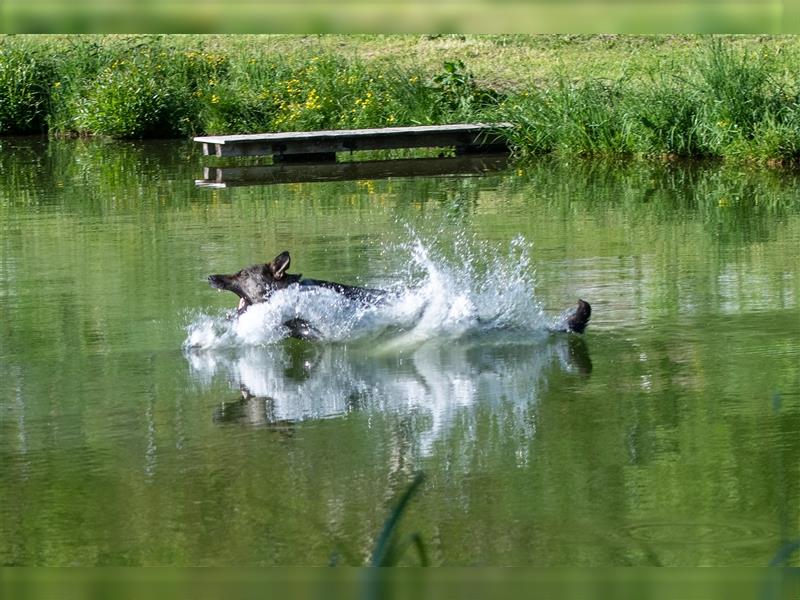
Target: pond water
{"type": "Point", "coordinates": [140, 426]}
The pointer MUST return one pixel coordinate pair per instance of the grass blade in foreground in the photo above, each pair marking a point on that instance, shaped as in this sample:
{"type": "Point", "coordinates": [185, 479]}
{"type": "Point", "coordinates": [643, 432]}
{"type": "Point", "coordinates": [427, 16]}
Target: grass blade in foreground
{"type": "Point", "coordinates": [387, 550]}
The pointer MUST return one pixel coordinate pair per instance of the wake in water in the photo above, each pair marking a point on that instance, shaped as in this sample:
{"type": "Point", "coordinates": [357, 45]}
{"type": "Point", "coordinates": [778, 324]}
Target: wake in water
{"type": "Point", "coordinates": [477, 290]}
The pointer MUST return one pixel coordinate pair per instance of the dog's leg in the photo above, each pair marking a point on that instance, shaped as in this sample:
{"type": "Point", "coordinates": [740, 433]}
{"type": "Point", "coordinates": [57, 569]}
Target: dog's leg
{"type": "Point", "coordinates": [302, 329]}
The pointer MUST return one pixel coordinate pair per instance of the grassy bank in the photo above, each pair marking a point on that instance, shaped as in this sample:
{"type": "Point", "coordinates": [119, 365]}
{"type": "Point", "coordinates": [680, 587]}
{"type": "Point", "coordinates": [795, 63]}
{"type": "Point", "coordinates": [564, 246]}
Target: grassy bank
{"type": "Point", "coordinates": [731, 97]}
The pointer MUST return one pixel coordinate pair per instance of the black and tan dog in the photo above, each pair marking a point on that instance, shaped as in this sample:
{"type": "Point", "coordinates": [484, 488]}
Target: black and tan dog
{"type": "Point", "coordinates": [257, 283]}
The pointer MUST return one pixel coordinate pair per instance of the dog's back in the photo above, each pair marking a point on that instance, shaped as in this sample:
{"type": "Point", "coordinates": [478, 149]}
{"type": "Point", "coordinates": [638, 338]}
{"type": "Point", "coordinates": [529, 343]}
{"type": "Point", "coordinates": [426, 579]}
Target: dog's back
{"type": "Point", "coordinates": [353, 292]}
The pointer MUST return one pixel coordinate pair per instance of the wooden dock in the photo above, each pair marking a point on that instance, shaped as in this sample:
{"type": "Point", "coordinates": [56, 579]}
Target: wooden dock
{"type": "Point", "coordinates": [322, 146]}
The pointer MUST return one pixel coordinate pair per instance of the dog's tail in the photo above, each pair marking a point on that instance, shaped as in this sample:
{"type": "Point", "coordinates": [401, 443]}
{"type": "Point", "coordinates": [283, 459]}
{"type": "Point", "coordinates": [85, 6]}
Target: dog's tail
{"type": "Point", "coordinates": [578, 319]}
{"type": "Point", "coordinates": [574, 320]}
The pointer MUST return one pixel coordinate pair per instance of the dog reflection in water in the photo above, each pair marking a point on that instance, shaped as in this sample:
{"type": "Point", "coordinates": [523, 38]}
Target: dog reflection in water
{"type": "Point", "coordinates": [252, 410]}
{"type": "Point", "coordinates": [283, 385]}
{"type": "Point", "coordinates": [261, 410]}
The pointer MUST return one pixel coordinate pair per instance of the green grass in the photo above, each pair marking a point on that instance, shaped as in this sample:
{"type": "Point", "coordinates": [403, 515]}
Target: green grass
{"type": "Point", "coordinates": [25, 79]}
{"type": "Point", "coordinates": [388, 548]}
{"type": "Point", "coordinates": [720, 102]}
{"type": "Point", "coordinates": [732, 97]}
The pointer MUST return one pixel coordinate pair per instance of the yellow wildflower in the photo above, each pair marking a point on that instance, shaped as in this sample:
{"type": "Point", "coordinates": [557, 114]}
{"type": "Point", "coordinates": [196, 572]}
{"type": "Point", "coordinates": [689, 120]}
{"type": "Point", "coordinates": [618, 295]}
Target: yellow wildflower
{"type": "Point", "coordinates": [312, 101]}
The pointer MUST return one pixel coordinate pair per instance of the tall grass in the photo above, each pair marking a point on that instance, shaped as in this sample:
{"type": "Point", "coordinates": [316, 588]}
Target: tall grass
{"type": "Point", "coordinates": [388, 549]}
{"type": "Point", "coordinates": [725, 103]}
{"type": "Point", "coordinates": [322, 91]}
{"type": "Point", "coordinates": [25, 78]}
{"type": "Point", "coordinates": [158, 86]}
{"type": "Point", "coordinates": [722, 101]}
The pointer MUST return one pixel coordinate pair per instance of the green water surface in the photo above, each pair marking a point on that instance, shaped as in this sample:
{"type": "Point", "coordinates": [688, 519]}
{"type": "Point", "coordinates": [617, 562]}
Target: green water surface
{"type": "Point", "coordinates": [668, 435]}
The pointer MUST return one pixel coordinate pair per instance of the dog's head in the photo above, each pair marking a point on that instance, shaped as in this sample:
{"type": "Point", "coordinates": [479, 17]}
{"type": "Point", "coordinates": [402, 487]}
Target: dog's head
{"type": "Point", "coordinates": [256, 283]}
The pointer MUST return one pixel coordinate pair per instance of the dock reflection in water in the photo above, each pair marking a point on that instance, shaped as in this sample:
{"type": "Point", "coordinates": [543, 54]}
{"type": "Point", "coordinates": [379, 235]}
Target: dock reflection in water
{"type": "Point", "coordinates": [290, 172]}
{"type": "Point", "coordinates": [283, 385]}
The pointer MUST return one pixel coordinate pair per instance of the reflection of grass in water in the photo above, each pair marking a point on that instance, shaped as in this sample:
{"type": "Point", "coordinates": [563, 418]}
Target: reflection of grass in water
{"type": "Point", "coordinates": [388, 549]}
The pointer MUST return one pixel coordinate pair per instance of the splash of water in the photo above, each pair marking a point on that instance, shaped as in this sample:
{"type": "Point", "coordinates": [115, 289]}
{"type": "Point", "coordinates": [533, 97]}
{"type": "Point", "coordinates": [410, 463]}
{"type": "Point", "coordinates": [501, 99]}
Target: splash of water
{"type": "Point", "coordinates": [472, 289]}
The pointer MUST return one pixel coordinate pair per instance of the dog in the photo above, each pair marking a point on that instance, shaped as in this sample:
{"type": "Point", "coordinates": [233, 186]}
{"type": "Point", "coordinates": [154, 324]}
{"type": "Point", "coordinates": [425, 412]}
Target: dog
{"type": "Point", "coordinates": [257, 283]}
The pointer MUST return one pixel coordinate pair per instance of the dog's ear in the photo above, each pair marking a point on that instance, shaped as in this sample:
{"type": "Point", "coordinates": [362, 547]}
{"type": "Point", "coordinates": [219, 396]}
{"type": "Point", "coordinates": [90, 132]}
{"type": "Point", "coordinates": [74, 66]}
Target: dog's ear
{"type": "Point", "coordinates": [279, 265]}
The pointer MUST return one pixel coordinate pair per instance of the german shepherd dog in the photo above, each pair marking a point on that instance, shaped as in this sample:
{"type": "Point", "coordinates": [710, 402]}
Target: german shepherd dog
{"type": "Point", "coordinates": [256, 283]}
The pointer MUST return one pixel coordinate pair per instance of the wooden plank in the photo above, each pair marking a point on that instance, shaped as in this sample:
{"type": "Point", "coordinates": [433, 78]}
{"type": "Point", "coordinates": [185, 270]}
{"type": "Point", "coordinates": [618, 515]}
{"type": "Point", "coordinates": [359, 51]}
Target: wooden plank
{"type": "Point", "coordinates": [461, 135]}
{"type": "Point", "coordinates": [336, 133]}
{"type": "Point", "coordinates": [222, 177]}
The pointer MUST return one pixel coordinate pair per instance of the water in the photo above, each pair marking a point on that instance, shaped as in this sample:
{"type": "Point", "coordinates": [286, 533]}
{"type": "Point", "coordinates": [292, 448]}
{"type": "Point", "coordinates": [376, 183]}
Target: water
{"type": "Point", "coordinates": [140, 426]}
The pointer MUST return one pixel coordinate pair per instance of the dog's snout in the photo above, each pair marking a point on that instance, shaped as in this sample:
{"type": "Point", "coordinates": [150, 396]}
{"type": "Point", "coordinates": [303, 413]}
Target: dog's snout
{"type": "Point", "coordinates": [216, 281]}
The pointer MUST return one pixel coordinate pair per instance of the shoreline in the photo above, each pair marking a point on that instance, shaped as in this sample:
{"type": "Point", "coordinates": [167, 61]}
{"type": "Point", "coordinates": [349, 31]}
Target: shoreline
{"type": "Point", "coordinates": [652, 96]}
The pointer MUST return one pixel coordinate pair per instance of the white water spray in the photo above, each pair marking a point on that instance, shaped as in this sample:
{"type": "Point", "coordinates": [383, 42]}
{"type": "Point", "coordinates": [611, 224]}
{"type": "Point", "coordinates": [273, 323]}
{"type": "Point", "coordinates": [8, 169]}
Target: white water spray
{"type": "Point", "coordinates": [477, 289]}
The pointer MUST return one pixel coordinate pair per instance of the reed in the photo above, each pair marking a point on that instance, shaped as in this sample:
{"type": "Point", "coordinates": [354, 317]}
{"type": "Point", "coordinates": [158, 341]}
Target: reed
{"type": "Point", "coordinates": [26, 75]}
{"type": "Point", "coordinates": [388, 548]}
{"type": "Point", "coordinates": [726, 103]}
